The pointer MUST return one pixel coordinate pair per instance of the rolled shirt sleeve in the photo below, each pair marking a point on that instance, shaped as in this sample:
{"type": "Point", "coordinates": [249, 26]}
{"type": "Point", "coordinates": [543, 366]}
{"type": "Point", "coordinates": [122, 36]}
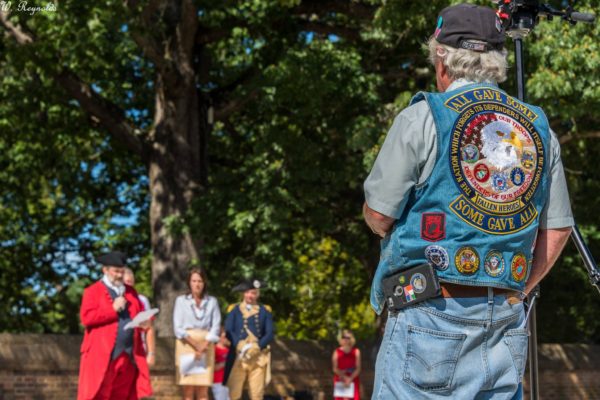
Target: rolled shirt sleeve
{"type": "Point", "coordinates": [179, 318]}
{"type": "Point", "coordinates": [557, 210]}
{"type": "Point", "coordinates": [405, 160]}
{"type": "Point", "coordinates": [215, 321]}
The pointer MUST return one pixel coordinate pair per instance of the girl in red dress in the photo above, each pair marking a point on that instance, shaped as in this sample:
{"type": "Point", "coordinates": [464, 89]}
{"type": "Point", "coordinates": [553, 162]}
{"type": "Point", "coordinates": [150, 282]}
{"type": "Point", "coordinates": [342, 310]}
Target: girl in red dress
{"type": "Point", "coordinates": [220, 392]}
{"type": "Point", "coordinates": [346, 364]}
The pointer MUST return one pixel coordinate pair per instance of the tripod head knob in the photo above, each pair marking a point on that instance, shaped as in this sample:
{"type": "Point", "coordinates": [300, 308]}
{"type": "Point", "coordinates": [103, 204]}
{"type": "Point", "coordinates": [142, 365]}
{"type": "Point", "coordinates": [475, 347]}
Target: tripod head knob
{"type": "Point", "coordinates": [582, 17]}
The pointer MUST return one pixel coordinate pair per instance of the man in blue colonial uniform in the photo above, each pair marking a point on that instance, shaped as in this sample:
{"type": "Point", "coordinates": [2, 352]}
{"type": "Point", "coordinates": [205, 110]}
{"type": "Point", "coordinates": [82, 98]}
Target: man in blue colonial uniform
{"type": "Point", "coordinates": [249, 327]}
{"type": "Point", "coordinates": [470, 181]}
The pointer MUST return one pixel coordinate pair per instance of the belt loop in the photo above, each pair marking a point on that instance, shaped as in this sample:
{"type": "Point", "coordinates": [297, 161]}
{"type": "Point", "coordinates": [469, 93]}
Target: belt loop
{"type": "Point", "coordinates": [490, 295]}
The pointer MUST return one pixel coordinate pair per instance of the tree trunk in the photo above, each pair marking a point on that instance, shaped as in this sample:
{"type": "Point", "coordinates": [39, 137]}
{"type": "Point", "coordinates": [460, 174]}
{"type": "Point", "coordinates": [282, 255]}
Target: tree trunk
{"type": "Point", "coordinates": [177, 157]}
{"type": "Point", "coordinates": [176, 172]}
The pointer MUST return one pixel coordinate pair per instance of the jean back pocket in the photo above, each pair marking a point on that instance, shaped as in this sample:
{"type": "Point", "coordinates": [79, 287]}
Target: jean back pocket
{"type": "Point", "coordinates": [517, 340]}
{"type": "Point", "coordinates": [431, 358]}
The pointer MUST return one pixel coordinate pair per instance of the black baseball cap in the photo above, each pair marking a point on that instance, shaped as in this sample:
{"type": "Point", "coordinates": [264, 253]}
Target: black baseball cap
{"type": "Point", "coordinates": [465, 26]}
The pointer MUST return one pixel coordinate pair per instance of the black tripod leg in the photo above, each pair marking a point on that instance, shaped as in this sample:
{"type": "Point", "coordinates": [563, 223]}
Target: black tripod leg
{"type": "Point", "coordinates": [533, 359]}
{"type": "Point", "coordinates": [534, 392]}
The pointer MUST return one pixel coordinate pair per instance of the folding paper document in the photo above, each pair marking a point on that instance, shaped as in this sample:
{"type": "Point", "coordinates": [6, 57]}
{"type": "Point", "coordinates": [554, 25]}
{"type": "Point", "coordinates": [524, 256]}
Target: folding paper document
{"type": "Point", "coordinates": [141, 318]}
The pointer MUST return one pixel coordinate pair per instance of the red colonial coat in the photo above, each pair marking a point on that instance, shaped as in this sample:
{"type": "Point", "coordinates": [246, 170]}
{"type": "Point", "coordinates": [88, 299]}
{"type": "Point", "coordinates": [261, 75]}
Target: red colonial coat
{"type": "Point", "coordinates": [100, 321]}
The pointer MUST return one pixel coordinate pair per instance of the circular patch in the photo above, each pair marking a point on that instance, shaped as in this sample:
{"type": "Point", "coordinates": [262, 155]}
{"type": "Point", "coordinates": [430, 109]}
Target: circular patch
{"type": "Point", "coordinates": [467, 260]}
{"type": "Point", "coordinates": [517, 176]}
{"type": "Point", "coordinates": [401, 280]}
{"type": "Point", "coordinates": [256, 284]}
{"type": "Point", "coordinates": [482, 173]}
{"type": "Point", "coordinates": [518, 267]}
{"type": "Point", "coordinates": [494, 263]}
{"type": "Point", "coordinates": [528, 159]}
{"type": "Point", "coordinates": [497, 160]}
{"type": "Point", "coordinates": [470, 153]}
{"type": "Point", "coordinates": [418, 282]}
{"type": "Point", "coordinates": [499, 182]}
{"type": "Point", "coordinates": [437, 256]}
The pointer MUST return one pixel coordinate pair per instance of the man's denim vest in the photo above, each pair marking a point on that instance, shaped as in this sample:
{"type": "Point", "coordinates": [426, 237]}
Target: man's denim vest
{"type": "Point", "coordinates": [475, 219]}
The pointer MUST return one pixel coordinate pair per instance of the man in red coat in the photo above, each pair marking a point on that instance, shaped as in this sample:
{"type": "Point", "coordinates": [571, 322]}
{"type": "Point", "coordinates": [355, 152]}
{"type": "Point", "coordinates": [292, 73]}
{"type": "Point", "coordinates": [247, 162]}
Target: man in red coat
{"type": "Point", "coordinates": [113, 361]}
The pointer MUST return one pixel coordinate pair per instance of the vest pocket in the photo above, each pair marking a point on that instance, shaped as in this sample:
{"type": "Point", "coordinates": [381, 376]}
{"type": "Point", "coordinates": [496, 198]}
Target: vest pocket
{"type": "Point", "coordinates": [431, 358]}
{"type": "Point", "coordinates": [517, 340]}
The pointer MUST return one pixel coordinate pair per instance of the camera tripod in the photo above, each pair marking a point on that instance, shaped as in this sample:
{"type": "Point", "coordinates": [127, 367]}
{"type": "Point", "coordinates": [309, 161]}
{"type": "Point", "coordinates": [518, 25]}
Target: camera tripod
{"type": "Point", "coordinates": [519, 17]}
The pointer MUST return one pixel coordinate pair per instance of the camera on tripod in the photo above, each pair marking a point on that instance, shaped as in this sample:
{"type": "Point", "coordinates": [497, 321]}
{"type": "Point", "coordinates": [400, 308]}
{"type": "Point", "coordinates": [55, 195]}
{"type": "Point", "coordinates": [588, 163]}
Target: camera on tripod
{"type": "Point", "coordinates": [519, 17]}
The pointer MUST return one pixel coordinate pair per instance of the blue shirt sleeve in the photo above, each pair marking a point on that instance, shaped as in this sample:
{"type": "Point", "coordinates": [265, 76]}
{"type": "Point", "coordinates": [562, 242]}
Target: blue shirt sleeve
{"type": "Point", "coordinates": [268, 330]}
{"type": "Point", "coordinates": [230, 329]}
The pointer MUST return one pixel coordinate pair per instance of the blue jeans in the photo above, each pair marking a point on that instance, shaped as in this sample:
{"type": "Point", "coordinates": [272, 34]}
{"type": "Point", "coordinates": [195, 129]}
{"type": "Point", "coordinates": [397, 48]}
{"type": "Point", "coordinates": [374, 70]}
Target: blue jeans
{"type": "Point", "coordinates": [453, 348]}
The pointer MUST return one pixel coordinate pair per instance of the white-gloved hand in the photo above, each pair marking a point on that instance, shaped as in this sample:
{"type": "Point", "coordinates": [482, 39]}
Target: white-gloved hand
{"type": "Point", "coordinates": [244, 349]}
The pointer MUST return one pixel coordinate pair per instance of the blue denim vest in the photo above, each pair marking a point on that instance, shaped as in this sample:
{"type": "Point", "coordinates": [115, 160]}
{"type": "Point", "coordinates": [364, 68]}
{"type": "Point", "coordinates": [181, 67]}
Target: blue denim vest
{"type": "Point", "coordinates": [475, 219]}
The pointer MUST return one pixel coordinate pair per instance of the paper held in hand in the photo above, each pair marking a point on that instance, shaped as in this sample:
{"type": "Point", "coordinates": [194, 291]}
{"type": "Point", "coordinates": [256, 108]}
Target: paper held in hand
{"type": "Point", "coordinates": [189, 364]}
{"type": "Point", "coordinates": [341, 390]}
{"type": "Point", "coordinates": [141, 318]}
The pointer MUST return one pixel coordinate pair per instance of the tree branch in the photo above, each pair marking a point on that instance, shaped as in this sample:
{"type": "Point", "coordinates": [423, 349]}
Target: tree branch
{"type": "Point", "coordinates": [107, 113]}
{"type": "Point", "coordinates": [350, 8]}
{"type": "Point", "coordinates": [208, 35]}
{"type": "Point", "coordinates": [568, 137]}
{"type": "Point", "coordinates": [235, 105]}
{"type": "Point", "coordinates": [143, 37]}
{"type": "Point", "coordinates": [20, 36]}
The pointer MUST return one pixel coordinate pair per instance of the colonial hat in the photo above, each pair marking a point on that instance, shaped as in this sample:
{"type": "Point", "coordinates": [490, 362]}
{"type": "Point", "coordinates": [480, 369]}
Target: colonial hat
{"type": "Point", "coordinates": [112, 259]}
{"type": "Point", "coordinates": [248, 284]}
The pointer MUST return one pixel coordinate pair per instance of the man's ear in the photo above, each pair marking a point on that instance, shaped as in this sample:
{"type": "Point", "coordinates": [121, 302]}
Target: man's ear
{"type": "Point", "coordinates": [441, 75]}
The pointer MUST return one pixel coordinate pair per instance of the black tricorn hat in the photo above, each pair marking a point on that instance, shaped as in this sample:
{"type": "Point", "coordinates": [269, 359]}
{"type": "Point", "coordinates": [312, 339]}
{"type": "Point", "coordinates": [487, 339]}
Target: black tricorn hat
{"type": "Point", "coordinates": [112, 259]}
{"type": "Point", "coordinates": [248, 284]}
{"type": "Point", "coordinates": [471, 27]}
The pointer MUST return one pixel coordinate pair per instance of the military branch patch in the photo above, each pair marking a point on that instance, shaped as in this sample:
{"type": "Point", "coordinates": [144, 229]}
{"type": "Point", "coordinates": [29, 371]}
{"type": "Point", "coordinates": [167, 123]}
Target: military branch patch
{"type": "Point", "coordinates": [433, 226]}
{"type": "Point", "coordinates": [482, 173]}
{"type": "Point", "coordinates": [496, 159]}
{"type": "Point", "coordinates": [518, 267]}
{"type": "Point", "coordinates": [494, 263]}
{"type": "Point", "coordinates": [437, 257]}
{"type": "Point", "coordinates": [466, 260]}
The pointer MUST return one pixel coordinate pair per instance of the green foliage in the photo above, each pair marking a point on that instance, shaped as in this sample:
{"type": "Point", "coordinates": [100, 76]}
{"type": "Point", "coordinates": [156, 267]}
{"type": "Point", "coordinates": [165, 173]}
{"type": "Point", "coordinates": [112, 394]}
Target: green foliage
{"type": "Point", "coordinates": [63, 181]}
{"type": "Point", "coordinates": [284, 192]}
{"type": "Point", "coordinates": [329, 292]}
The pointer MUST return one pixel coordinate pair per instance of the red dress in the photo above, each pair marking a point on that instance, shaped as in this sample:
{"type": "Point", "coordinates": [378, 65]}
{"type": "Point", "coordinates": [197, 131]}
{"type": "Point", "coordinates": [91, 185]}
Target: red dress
{"type": "Point", "coordinates": [220, 357]}
{"type": "Point", "coordinates": [347, 363]}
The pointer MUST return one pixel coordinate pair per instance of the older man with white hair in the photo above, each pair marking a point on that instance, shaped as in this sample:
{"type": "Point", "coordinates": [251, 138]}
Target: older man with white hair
{"type": "Point", "coordinates": [469, 195]}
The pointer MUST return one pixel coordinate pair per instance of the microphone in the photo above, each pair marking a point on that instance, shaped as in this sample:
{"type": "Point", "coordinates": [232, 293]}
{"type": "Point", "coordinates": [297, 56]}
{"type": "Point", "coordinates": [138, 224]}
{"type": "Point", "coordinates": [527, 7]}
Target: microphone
{"type": "Point", "coordinates": [582, 17]}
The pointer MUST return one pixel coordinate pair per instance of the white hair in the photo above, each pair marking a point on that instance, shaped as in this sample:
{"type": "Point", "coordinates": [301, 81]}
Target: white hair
{"type": "Point", "coordinates": [490, 66]}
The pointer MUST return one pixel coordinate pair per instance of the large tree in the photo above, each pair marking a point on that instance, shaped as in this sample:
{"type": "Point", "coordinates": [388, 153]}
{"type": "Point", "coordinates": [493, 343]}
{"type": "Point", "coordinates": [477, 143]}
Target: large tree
{"type": "Point", "coordinates": [239, 130]}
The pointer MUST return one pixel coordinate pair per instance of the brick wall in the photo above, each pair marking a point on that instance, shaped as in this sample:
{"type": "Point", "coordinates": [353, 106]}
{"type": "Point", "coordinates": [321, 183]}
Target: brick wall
{"type": "Point", "coordinates": [45, 367]}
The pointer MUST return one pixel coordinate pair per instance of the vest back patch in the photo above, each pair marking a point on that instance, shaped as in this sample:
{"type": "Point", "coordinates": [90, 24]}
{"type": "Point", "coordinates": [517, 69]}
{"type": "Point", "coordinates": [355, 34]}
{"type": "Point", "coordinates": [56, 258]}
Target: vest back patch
{"type": "Point", "coordinates": [496, 159]}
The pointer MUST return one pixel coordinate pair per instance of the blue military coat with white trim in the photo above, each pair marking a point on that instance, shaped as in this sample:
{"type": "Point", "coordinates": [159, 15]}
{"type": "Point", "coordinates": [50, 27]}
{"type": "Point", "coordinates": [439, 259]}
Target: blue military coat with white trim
{"type": "Point", "coordinates": [260, 324]}
{"type": "Point", "coordinates": [476, 217]}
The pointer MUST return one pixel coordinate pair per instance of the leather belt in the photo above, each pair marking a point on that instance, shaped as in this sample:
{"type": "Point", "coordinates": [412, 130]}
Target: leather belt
{"type": "Point", "coordinates": [450, 290]}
